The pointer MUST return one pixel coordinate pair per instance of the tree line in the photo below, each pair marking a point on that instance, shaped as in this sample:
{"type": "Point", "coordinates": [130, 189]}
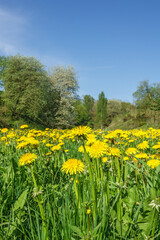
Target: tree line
{"type": "Point", "coordinates": [31, 94]}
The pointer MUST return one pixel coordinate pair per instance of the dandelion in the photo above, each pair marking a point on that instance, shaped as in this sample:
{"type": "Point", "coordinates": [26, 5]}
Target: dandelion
{"type": "Point", "coordinates": [143, 145]}
{"type": "Point", "coordinates": [115, 152]}
{"type": "Point", "coordinates": [27, 158]}
{"type": "Point", "coordinates": [81, 131]}
{"type": "Point", "coordinates": [156, 146]}
{"type": "Point", "coordinates": [72, 166]}
{"type": "Point", "coordinates": [49, 145]}
{"type": "Point", "coordinates": [22, 145]}
{"type": "Point", "coordinates": [104, 159]}
{"type": "Point", "coordinates": [56, 147]}
{"type": "Point", "coordinates": [88, 211]}
{"type": "Point", "coordinates": [81, 148]}
{"type": "Point", "coordinates": [98, 149]}
{"type": "Point", "coordinates": [24, 126]}
{"type": "Point", "coordinates": [3, 139]}
{"type": "Point", "coordinates": [130, 151]}
{"type": "Point", "coordinates": [155, 203]}
{"type": "Point", "coordinates": [154, 163]}
{"type": "Point", "coordinates": [142, 156]}
{"type": "Point", "coordinates": [49, 153]}
{"type": "Point", "coordinates": [4, 130]}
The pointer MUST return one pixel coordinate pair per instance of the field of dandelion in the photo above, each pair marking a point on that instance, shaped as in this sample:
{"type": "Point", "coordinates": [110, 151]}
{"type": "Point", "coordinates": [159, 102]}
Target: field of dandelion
{"type": "Point", "coordinates": [79, 184]}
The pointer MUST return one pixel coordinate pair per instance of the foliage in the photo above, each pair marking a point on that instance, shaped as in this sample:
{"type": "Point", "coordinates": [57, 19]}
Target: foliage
{"type": "Point", "coordinates": [147, 99]}
{"type": "Point", "coordinates": [3, 61]}
{"type": "Point", "coordinates": [101, 113]}
{"type": "Point", "coordinates": [26, 86]}
{"type": "Point", "coordinates": [63, 80]}
{"type": "Point", "coordinates": [84, 114]}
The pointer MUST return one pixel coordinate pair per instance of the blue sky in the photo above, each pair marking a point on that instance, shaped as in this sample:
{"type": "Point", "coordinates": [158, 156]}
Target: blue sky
{"type": "Point", "coordinates": [112, 44]}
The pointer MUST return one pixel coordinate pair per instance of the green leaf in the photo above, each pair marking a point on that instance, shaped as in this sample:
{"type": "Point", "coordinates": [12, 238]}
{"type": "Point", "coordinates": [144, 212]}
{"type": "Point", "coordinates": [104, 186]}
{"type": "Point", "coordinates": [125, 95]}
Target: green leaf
{"type": "Point", "coordinates": [77, 231]}
{"type": "Point", "coordinates": [21, 200]}
{"type": "Point", "coordinates": [145, 220]}
{"type": "Point", "coordinates": [132, 198]}
{"type": "Point", "coordinates": [96, 229]}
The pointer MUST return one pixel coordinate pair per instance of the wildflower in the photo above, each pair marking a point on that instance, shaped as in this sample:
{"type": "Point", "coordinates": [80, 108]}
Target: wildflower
{"type": "Point", "coordinates": [156, 146]}
{"type": "Point", "coordinates": [49, 145]}
{"type": "Point", "coordinates": [81, 131]}
{"type": "Point", "coordinates": [130, 151]}
{"type": "Point", "coordinates": [155, 203]}
{"type": "Point", "coordinates": [27, 158]}
{"type": "Point", "coordinates": [22, 145]}
{"type": "Point", "coordinates": [4, 130]}
{"type": "Point", "coordinates": [72, 166]}
{"type": "Point", "coordinates": [142, 156]}
{"type": "Point", "coordinates": [88, 211]}
{"type": "Point", "coordinates": [115, 152]}
{"type": "Point", "coordinates": [143, 145]}
{"type": "Point", "coordinates": [154, 163]}
{"type": "Point", "coordinates": [49, 153]}
{"type": "Point", "coordinates": [24, 126]}
{"type": "Point", "coordinates": [81, 149]}
{"type": "Point", "coordinates": [56, 147]}
{"type": "Point", "coordinates": [98, 149]}
{"type": "Point", "coordinates": [33, 142]}
{"type": "Point", "coordinates": [3, 139]}
{"type": "Point", "coordinates": [104, 159]}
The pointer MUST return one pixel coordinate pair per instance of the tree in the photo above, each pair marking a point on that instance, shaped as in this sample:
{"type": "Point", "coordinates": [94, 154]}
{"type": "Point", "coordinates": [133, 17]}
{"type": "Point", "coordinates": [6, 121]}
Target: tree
{"type": "Point", "coordinates": [63, 79]}
{"type": "Point", "coordinates": [101, 113]}
{"type": "Point", "coordinates": [82, 116]}
{"type": "Point", "coordinates": [113, 109]}
{"type": "Point", "coordinates": [88, 103]}
{"type": "Point", "coordinates": [26, 86]}
{"type": "Point", "coordinates": [142, 95]}
{"type": "Point", "coordinates": [3, 61]}
{"type": "Point", "coordinates": [147, 101]}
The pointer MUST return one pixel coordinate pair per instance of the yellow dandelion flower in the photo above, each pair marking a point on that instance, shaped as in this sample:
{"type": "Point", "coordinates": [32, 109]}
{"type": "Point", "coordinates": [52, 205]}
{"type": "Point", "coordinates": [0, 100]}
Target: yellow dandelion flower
{"type": "Point", "coordinates": [98, 149]}
{"type": "Point", "coordinates": [24, 126]}
{"type": "Point", "coordinates": [153, 163]}
{"type": "Point", "coordinates": [126, 158]}
{"type": "Point", "coordinates": [49, 145]}
{"type": "Point", "coordinates": [88, 211]}
{"type": "Point", "coordinates": [81, 149]}
{"type": "Point", "coordinates": [157, 156]}
{"type": "Point", "coordinates": [22, 145]}
{"type": "Point", "coordinates": [33, 142]}
{"type": "Point", "coordinates": [49, 153]}
{"type": "Point", "coordinates": [156, 146]}
{"type": "Point", "coordinates": [3, 139]}
{"type": "Point", "coordinates": [81, 131]}
{"type": "Point", "coordinates": [27, 158]}
{"type": "Point", "coordinates": [56, 148]}
{"type": "Point", "coordinates": [72, 166]}
{"type": "Point", "coordinates": [142, 156]}
{"type": "Point", "coordinates": [115, 152]}
{"type": "Point", "coordinates": [130, 151]}
{"type": "Point", "coordinates": [4, 130]}
{"type": "Point", "coordinates": [104, 159]}
{"type": "Point", "coordinates": [91, 138]}
{"type": "Point", "coordinates": [143, 145]}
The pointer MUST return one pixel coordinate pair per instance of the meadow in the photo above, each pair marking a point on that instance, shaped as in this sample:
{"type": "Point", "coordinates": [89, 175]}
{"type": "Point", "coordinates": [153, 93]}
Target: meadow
{"type": "Point", "coordinates": [79, 184]}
